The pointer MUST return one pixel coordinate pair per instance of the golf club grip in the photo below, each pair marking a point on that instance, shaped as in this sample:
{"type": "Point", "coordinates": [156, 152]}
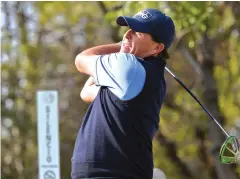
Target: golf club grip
{"type": "Point", "coordinates": [205, 109]}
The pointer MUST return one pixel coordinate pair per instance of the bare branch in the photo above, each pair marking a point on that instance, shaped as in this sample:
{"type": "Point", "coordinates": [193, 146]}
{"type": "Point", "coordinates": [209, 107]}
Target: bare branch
{"type": "Point", "coordinates": [118, 7]}
{"type": "Point", "coordinates": [179, 44]}
{"type": "Point", "coordinates": [102, 7]}
{"type": "Point", "coordinates": [189, 58]}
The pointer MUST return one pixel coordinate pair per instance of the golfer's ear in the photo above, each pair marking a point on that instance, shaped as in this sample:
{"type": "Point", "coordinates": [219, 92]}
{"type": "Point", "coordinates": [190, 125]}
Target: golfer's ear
{"type": "Point", "coordinates": [158, 48]}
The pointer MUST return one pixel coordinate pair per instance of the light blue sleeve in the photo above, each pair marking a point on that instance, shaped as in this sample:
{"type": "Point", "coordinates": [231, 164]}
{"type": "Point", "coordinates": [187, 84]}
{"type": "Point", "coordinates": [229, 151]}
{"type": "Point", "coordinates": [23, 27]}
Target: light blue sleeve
{"type": "Point", "coordinates": [122, 73]}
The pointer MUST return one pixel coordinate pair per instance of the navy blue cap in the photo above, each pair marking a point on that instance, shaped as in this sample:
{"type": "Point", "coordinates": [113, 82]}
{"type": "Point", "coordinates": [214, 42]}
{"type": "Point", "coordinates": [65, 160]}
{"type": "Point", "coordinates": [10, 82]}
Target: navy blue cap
{"type": "Point", "coordinates": [153, 22]}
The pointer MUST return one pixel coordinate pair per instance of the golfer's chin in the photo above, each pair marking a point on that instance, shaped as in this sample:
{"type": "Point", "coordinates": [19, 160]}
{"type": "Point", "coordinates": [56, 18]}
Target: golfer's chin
{"type": "Point", "coordinates": [125, 50]}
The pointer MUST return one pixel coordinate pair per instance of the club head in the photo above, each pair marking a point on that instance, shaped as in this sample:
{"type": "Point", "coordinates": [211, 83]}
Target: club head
{"type": "Point", "coordinates": [229, 152]}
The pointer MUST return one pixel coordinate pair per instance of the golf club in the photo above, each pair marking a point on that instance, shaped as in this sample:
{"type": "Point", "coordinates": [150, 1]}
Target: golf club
{"type": "Point", "coordinates": [229, 152]}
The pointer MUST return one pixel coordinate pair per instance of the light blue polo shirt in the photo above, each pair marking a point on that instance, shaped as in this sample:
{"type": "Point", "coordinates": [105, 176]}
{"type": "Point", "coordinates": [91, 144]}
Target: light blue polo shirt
{"type": "Point", "coordinates": [122, 73]}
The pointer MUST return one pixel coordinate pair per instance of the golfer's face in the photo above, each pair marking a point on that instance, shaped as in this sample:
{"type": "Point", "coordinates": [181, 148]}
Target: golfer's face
{"type": "Point", "coordinates": [139, 44]}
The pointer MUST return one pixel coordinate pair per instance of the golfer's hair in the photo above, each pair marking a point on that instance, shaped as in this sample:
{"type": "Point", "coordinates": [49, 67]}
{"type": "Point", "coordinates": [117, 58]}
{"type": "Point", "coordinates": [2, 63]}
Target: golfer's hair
{"type": "Point", "coordinates": [164, 54]}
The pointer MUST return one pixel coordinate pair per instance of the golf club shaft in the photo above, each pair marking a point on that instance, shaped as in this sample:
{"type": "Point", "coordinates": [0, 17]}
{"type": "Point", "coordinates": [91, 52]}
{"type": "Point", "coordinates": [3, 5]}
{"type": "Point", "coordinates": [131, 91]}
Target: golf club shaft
{"type": "Point", "coordinates": [205, 109]}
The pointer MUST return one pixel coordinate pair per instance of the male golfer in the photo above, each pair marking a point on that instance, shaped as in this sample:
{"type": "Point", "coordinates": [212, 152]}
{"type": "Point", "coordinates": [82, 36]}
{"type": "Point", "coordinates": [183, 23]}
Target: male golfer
{"type": "Point", "coordinates": [126, 89]}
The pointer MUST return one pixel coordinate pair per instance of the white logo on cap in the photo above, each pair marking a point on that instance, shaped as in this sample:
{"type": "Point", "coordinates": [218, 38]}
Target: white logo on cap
{"type": "Point", "coordinates": [144, 14]}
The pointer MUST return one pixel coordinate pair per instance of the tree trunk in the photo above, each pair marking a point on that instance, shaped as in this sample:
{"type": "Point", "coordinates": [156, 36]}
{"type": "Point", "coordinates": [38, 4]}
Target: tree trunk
{"type": "Point", "coordinates": [172, 154]}
{"type": "Point", "coordinates": [203, 153]}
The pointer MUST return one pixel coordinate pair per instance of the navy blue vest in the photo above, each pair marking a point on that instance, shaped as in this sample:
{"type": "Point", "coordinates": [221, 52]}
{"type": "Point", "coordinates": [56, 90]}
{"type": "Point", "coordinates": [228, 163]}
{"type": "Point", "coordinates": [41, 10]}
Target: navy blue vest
{"type": "Point", "coordinates": [115, 138]}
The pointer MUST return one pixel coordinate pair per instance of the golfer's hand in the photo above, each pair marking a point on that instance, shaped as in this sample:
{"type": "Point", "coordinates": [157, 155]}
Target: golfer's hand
{"type": "Point", "coordinates": [89, 91]}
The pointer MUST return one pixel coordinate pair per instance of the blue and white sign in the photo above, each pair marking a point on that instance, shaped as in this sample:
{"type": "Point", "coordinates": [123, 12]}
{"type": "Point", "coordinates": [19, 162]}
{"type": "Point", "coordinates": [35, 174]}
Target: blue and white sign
{"type": "Point", "coordinates": [48, 135]}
